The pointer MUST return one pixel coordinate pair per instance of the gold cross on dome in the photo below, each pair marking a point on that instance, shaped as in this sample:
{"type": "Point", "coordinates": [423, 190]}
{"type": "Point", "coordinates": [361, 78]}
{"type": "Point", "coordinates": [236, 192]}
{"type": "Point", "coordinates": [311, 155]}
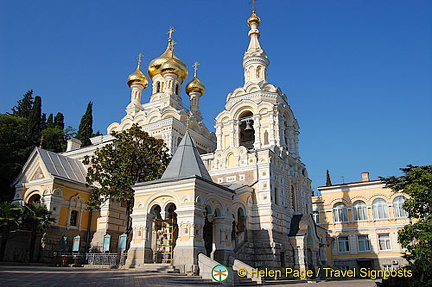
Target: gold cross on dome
{"type": "Point", "coordinates": [139, 58]}
{"type": "Point", "coordinates": [253, 4]}
{"type": "Point", "coordinates": [170, 31]}
{"type": "Point", "coordinates": [195, 66]}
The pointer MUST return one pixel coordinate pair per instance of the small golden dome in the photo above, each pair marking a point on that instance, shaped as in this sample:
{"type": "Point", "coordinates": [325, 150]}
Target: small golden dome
{"type": "Point", "coordinates": [254, 19]}
{"type": "Point", "coordinates": [195, 86]}
{"type": "Point", "coordinates": [137, 78]}
{"type": "Point", "coordinates": [155, 66]}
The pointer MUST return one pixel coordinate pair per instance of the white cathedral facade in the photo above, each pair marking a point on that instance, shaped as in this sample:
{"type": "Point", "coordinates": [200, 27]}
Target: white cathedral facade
{"type": "Point", "coordinates": [241, 192]}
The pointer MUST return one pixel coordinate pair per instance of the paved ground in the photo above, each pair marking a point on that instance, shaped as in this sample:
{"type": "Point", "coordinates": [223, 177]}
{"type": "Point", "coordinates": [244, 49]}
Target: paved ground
{"type": "Point", "coordinates": [64, 276]}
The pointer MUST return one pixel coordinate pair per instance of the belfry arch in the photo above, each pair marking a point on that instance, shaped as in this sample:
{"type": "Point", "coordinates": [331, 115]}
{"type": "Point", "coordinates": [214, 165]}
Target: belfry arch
{"type": "Point", "coordinates": [246, 130]}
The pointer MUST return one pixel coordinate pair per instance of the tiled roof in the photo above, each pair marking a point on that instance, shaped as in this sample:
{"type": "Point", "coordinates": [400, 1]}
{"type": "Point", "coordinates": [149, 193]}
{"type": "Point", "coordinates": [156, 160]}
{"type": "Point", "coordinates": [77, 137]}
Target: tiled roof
{"type": "Point", "coordinates": [186, 161]}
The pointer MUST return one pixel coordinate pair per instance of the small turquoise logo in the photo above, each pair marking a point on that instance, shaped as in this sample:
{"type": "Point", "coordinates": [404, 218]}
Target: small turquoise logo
{"type": "Point", "coordinates": [220, 273]}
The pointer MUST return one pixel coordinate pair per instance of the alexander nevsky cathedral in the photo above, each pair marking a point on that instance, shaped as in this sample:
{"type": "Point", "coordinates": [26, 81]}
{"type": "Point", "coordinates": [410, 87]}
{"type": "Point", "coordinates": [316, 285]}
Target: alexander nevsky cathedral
{"type": "Point", "coordinates": [241, 192]}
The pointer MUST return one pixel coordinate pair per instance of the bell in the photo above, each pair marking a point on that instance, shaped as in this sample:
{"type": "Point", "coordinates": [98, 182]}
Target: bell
{"type": "Point", "coordinates": [248, 126]}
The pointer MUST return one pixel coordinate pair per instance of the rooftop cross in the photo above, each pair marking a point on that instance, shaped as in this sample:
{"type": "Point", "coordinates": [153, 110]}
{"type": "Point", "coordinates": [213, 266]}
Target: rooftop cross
{"type": "Point", "coordinates": [139, 59]}
{"type": "Point", "coordinates": [170, 31]}
{"type": "Point", "coordinates": [253, 5]}
{"type": "Point", "coordinates": [195, 66]}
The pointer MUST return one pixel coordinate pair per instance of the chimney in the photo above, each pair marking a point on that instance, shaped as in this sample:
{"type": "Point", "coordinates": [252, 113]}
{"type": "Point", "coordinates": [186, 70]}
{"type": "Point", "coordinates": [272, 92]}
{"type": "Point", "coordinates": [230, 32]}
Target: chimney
{"type": "Point", "coordinates": [365, 176]}
{"type": "Point", "coordinates": [73, 144]}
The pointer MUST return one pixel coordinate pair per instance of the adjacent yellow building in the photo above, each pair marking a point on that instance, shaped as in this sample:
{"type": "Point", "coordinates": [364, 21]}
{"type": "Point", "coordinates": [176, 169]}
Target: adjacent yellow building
{"type": "Point", "coordinates": [363, 219]}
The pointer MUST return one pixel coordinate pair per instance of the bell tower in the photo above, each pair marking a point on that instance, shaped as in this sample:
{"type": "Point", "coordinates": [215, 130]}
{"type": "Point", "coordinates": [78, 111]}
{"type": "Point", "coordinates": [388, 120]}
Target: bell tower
{"type": "Point", "coordinates": [257, 145]}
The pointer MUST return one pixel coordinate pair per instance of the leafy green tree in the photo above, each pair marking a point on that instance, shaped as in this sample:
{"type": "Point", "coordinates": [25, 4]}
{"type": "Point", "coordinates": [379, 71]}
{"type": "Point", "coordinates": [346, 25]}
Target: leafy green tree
{"type": "Point", "coordinates": [14, 151]}
{"type": "Point", "coordinates": [53, 139]}
{"type": "Point", "coordinates": [132, 157]}
{"type": "Point", "coordinates": [24, 106]}
{"type": "Point", "coordinates": [85, 129]}
{"type": "Point", "coordinates": [37, 219]}
{"type": "Point", "coordinates": [417, 236]}
{"type": "Point", "coordinates": [9, 220]}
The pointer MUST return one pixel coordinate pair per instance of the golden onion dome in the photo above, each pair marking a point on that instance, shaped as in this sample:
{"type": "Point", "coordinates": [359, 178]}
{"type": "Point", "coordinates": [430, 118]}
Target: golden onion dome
{"type": "Point", "coordinates": [155, 66]}
{"type": "Point", "coordinates": [171, 66]}
{"type": "Point", "coordinates": [137, 78]}
{"type": "Point", "coordinates": [254, 19]}
{"type": "Point", "coordinates": [195, 86]}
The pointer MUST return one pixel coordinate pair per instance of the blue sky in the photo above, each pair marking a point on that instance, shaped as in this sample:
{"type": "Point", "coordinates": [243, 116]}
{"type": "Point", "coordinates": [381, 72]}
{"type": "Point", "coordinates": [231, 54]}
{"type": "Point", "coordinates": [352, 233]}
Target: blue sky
{"type": "Point", "coordinates": [357, 73]}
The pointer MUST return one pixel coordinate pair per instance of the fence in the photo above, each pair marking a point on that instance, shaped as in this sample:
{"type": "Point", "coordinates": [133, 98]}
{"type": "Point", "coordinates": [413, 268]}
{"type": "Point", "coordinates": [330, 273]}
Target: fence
{"type": "Point", "coordinates": [112, 259]}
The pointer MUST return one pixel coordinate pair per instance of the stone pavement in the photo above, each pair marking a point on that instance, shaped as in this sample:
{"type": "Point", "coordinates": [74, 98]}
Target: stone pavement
{"type": "Point", "coordinates": [44, 276]}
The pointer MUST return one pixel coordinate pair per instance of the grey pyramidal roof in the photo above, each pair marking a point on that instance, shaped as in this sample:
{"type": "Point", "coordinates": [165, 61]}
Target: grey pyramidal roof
{"type": "Point", "coordinates": [186, 161]}
{"type": "Point", "coordinates": [62, 166]}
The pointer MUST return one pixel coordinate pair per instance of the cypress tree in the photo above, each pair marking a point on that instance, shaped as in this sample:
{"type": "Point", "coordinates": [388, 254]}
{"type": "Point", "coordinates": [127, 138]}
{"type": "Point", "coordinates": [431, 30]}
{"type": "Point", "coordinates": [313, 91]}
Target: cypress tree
{"type": "Point", "coordinates": [34, 122]}
{"type": "Point", "coordinates": [328, 180]}
{"type": "Point", "coordinates": [43, 122]}
{"type": "Point", "coordinates": [50, 121]}
{"type": "Point", "coordinates": [85, 129]}
{"type": "Point", "coordinates": [59, 121]}
{"type": "Point", "coordinates": [24, 106]}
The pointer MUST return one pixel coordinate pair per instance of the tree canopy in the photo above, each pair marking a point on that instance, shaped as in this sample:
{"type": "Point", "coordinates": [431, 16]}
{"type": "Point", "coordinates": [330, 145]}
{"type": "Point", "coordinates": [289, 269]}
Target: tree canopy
{"type": "Point", "coordinates": [132, 157]}
{"type": "Point", "coordinates": [417, 236]}
{"type": "Point", "coordinates": [22, 130]}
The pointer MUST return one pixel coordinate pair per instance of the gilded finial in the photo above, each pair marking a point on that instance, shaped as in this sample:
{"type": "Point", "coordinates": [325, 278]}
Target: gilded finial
{"type": "Point", "coordinates": [41, 142]}
{"type": "Point", "coordinates": [170, 31]}
{"type": "Point", "coordinates": [139, 59]}
{"type": "Point", "coordinates": [171, 42]}
{"type": "Point", "coordinates": [195, 66]}
{"type": "Point", "coordinates": [253, 5]}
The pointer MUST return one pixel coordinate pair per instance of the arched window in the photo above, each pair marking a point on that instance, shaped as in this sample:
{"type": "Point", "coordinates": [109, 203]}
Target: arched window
{"type": "Point", "coordinates": [158, 87]}
{"type": "Point", "coordinates": [258, 72]}
{"type": "Point", "coordinates": [359, 210]}
{"type": "Point", "coordinates": [397, 207]}
{"type": "Point", "coordinates": [340, 212]}
{"type": "Point", "coordinates": [247, 132]}
{"type": "Point", "coordinates": [178, 89]}
{"type": "Point", "coordinates": [380, 209]}
{"type": "Point", "coordinates": [241, 220]}
{"type": "Point", "coordinates": [36, 198]}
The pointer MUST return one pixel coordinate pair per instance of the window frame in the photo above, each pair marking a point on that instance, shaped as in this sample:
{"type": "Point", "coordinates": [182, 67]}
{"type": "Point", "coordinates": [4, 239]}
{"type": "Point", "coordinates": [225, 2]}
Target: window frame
{"type": "Point", "coordinates": [380, 209]}
{"type": "Point", "coordinates": [365, 239]}
{"type": "Point", "coordinates": [384, 238]}
{"type": "Point", "coordinates": [361, 206]}
{"type": "Point", "coordinates": [345, 242]}
{"type": "Point", "coordinates": [340, 213]}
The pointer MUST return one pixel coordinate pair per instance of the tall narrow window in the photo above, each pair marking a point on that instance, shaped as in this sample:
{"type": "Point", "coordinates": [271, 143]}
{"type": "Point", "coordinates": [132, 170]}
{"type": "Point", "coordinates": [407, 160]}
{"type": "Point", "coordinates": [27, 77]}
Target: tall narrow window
{"type": "Point", "coordinates": [340, 212]}
{"type": "Point", "coordinates": [359, 210]}
{"type": "Point", "coordinates": [343, 244]}
{"type": "Point", "coordinates": [74, 218]}
{"type": "Point", "coordinates": [380, 209]}
{"type": "Point", "coordinates": [397, 207]}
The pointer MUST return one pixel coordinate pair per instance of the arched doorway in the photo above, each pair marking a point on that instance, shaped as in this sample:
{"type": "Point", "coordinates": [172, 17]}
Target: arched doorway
{"type": "Point", "coordinates": [208, 231]}
{"type": "Point", "coordinates": [165, 233]}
